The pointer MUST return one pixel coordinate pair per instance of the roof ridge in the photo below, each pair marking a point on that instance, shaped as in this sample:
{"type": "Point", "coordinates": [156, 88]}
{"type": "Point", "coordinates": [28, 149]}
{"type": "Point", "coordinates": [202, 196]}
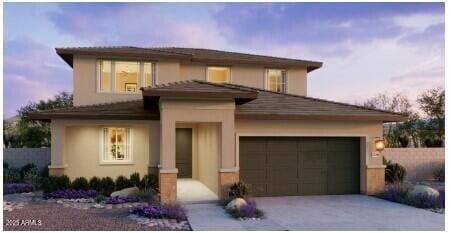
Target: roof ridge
{"type": "Point", "coordinates": [220, 85]}
{"type": "Point", "coordinates": [317, 99]}
{"type": "Point", "coordinates": [89, 105]}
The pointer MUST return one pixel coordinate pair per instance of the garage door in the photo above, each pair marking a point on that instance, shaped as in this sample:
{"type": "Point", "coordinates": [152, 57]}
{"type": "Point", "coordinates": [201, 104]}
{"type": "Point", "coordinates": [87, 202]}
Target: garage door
{"type": "Point", "coordinates": [283, 166]}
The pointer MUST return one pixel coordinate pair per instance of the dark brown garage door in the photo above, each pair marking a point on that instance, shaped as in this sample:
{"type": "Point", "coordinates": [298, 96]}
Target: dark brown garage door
{"type": "Point", "coordinates": [283, 166]}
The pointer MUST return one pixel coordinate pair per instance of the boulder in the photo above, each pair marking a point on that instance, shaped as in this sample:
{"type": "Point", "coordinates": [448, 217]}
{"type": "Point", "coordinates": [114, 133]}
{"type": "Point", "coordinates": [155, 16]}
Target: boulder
{"type": "Point", "coordinates": [235, 203]}
{"type": "Point", "coordinates": [424, 191]}
{"type": "Point", "coordinates": [133, 191]}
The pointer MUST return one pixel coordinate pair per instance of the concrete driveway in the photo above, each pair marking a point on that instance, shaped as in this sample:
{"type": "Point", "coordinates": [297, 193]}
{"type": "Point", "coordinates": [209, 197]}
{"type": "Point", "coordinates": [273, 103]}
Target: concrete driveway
{"type": "Point", "coordinates": [341, 212]}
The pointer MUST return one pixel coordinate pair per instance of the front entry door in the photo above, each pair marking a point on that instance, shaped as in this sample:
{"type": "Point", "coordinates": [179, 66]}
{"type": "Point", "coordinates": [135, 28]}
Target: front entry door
{"type": "Point", "coordinates": [183, 152]}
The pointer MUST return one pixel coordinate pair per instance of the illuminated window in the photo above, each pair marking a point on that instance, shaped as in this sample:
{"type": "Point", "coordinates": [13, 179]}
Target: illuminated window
{"type": "Point", "coordinates": [116, 145]}
{"type": "Point", "coordinates": [218, 74]}
{"type": "Point", "coordinates": [276, 80]}
{"type": "Point", "coordinates": [125, 76]}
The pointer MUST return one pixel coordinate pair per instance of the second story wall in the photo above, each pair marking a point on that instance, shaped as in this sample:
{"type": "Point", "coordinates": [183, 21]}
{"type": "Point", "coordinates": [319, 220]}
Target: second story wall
{"type": "Point", "coordinates": [85, 70]}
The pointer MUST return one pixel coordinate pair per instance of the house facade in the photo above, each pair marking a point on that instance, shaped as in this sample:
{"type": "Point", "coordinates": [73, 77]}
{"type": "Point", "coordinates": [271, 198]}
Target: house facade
{"type": "Point", "coordinates": [214, 116]}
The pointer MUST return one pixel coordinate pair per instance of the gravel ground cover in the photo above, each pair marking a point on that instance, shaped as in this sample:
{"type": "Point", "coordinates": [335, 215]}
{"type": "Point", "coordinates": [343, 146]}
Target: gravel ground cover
{"type": "Point", "coordinates": [52, 216]}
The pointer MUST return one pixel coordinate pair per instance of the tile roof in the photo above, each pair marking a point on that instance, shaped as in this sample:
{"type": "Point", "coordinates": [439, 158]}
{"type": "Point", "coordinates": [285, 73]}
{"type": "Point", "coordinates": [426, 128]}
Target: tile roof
{"type": "Point", "coordinates": [209, 56]}
{"type": "Point", "coordinates": [269, 105]}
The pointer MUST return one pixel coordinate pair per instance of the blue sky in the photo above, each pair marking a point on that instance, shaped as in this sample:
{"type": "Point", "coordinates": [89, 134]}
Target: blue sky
{"type": "Point", "coordinates": [367, 48]}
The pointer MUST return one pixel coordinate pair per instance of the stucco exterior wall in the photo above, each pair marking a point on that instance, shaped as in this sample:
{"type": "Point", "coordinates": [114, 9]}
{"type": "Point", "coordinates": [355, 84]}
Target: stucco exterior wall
{"type": "Point", "coordinates": [209, 148]}
{"type": "Point", "coordinates": [368, 131]}
{"type": "Point", "coordinates": [193, 71]}
{"type": "Point", "coordinates": [81, 148]}
{"type": "Point", "coordinates": [420, 163]}
{"type": "Point", "coordinates": [297, 81]}
{"type": "Point", "coordinates": [85, 84]}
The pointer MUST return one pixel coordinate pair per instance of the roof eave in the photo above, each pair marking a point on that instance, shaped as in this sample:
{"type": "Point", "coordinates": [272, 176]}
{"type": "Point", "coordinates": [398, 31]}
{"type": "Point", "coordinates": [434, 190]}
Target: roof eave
{"type": "Point", "coordinates": [385, 118]}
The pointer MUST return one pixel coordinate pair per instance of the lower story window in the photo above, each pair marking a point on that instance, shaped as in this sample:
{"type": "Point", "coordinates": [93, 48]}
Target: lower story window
{"type": "Point", "coordinates": [116, 144]}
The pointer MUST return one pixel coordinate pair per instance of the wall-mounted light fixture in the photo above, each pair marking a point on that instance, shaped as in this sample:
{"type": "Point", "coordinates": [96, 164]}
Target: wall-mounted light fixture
{"type": "Point", "coordinates": [379, 146]}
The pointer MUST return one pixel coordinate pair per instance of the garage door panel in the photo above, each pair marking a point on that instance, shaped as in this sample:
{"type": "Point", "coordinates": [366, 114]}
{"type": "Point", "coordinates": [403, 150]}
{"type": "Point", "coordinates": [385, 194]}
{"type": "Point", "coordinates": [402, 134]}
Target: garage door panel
{"type": "Point", "coordinates": [258, 189]}
{"type": "Point", "coordinates": [300, 165]}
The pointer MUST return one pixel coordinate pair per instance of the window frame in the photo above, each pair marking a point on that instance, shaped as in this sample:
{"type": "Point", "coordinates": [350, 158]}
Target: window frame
{"type": "Point", "coordinates": [284, 77]}
{"type": "Point", "coordinates": [105, 159]}
{"type": "Point", "coordinates": [227, 67]}
{"type": "Point", "coordinates": [141, 78]}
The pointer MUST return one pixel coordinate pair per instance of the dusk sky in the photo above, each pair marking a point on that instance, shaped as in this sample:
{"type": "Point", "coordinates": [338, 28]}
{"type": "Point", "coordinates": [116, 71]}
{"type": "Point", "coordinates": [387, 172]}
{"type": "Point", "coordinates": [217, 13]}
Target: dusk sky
{"type": "Point", "coordinates": [366, 48]}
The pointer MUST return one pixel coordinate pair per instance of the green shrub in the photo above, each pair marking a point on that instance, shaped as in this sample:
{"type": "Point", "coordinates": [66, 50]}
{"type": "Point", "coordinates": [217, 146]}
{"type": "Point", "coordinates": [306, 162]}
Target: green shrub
{"type": "Point", "coordinates": [106, 186]}
{"type": "Point", "coordinates": [95, 183]}
{"type": "Point", "coordinates": [99, 198]}
{"type": "Point", "coordinates": [26, 168]}
{"type": "Point", "coordinates": [80, 183]}
{"type": "Point", "coordinates": [54, 183]}
{"type": "Point", "coordinates": [149, 182]}
{"type": "Point", "coordinates": [5, 165]}
{"type": "Point", "coordinates": [45, 171]}
{"type": "Point", "coordinates": [122, 182]}
{"type": "Point", "coordinates": [11, 175]}
{"type": "Point", "coordinates": [439, 173]}
{"type": "Point", "coordinates": [33, 177]}
{"type": "Point", "coordinates": [238, 190]}
{"type": "Point", "coordinates": [394, 172]}
{"type": "Point", "coordinates": [135, 179]}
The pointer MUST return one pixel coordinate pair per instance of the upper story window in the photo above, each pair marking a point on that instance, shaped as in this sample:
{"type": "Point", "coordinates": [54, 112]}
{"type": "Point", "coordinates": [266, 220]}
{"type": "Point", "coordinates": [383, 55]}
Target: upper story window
{"type": "Point", "coordinates": [276, 80]}
{"type": "Point", "coordinates": [116, 144]}
{"type": "Point", "coordinates": [218, 74]}
{"type": "Point", "coordinates": [125, 76]}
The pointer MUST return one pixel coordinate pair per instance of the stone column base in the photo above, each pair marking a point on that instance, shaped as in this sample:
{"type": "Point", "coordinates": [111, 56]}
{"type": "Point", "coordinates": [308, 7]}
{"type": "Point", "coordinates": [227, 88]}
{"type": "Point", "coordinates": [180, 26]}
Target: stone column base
{"type": "Point", "coordinates": [56, 170]}
{"type": "Point", "coordinates": [227, 179]}
{"type": "Point", "coordinates": [168, 187]}
{"type": "Point", "coordinates": [375, 180]}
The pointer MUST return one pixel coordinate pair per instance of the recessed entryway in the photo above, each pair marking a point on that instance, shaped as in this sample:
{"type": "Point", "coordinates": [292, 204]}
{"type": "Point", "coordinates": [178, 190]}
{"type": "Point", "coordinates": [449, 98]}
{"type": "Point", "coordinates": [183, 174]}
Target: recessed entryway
{"type": "Point", "coordinates": [184, 152]}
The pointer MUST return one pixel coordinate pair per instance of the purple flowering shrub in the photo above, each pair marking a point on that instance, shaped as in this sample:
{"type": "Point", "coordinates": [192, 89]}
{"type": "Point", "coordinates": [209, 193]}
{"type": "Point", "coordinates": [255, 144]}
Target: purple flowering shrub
{"type": "Point", "coordinates": [71, 194]}
{"type": "Point", "coordinates": [248, 210]}
{"type": "Point", "coordinates": [161, 211]}
{"type": "Point", "coordinates": [120, 199]}
{"type": "Point", "coordinates": [17, 188]}
{"type": "Point", "coordinates": [399, 193]}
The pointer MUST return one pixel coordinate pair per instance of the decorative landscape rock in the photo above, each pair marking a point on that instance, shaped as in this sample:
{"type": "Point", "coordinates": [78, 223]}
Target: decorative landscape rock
{"type": "Point", "coordinates": [423, 190]}
{"type": "Point", "coordinates": [236, 204]}
{"type": "Point", "coordinates": [133, 191]}
{"type": "Point", "coordinates": [171, 224]}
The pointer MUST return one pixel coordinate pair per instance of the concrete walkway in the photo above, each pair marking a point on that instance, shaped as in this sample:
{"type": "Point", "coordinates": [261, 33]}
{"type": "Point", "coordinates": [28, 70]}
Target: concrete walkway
{"type": "Point", "coordinates": [194, 191]}
{"type": "Point", "coordinates": [342, 212]}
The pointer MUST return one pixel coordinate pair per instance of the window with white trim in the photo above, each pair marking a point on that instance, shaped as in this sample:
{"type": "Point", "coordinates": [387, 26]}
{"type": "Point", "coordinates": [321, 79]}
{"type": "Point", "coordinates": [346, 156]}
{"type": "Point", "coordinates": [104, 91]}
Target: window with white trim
{"type": "Point", "coordinates": [276, 80]}
{"type": "Point", "coordinates": [125, 76]}
{"type": "Point", "coordinates": [116, 144]}
{"type": "Point", "coordinates": [217, 74]}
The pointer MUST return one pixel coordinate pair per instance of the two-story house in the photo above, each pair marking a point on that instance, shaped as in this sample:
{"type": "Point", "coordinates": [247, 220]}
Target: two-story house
{"type": "Point", "coordinates": [213, 116]}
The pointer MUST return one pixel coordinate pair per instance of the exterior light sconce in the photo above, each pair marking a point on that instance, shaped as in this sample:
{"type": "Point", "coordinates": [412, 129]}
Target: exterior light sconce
{"type": "Point", "coordinates": [379, 146]}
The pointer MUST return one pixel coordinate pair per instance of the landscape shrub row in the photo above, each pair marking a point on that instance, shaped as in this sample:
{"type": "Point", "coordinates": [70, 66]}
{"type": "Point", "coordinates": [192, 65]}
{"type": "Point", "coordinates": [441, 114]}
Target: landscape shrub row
{"type": "Point", "coordinates": [400, 194]}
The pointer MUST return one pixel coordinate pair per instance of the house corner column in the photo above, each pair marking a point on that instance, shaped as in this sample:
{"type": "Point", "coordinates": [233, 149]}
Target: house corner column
{"type": "Point", "coordinates": [57, 151]}
{"type": "Point", "coordinates": [167, 169]}
{"type": "Point", "coordinates": [229, 172]}
{"type": "Point", "coordinates": [374, 170]}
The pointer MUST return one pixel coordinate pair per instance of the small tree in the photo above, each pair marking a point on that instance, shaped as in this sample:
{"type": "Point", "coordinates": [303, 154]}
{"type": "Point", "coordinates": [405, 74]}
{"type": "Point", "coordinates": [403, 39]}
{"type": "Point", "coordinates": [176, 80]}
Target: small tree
{"type": "Point", "coordinates": [29, 133]}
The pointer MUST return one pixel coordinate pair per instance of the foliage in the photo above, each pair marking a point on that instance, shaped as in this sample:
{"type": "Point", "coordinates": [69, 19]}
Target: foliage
{"type": "Point", "coordinates": [29, 133]}
{"type": "Point", "coordinates": [149, 195]}
{"type": "Point", "coordinates": [17, 188]}
{"type": "Point", "coordinates": [439, 173]}
{"type": "Point", "coordinates": [399, 193]}
{"type": "Point", "coordinates": [95, 183]}
{"type": "Point", "coordinates": [28, 174]}
{"type": "Point", "coordinates": [33, 177]}
{"type": "Point", "coordinates": [395, 193]}
{"type": "Point", "coordinates": [121, 199]}
{"type": "Point", "coordinates": [26, 168]}
{"type": "Point", "coordinates": [122, 182]}
{"type": "Point", "coordinates": [54, 183]}
{"type": "Point", "coordinates": [135, 179]}
{"type": "Point", "coordinates": [80, 183]}
{"type": "Point", "coordinates": [106, 186]}
{"type": "Point", "coordinates": [99, 198]}
{"type": "Point", "coordinates": [432, 102]}
{"type": "Point", "coordinates": [11, 175]}
{"type": "Point", "coordinates": [238, 190]}
{"type": "Point", "coordinates": [45, 171]}
{"type": "Point", "coordinates": [395, 103]}
{"type": "Point", "coordinates": [148, 182]}
{"type": "Point", "coordinates": [166, 211]}
{"type": "Point", "coordinates": [394, 172]}
{"type": "Point", "coordinates": [71, 194]}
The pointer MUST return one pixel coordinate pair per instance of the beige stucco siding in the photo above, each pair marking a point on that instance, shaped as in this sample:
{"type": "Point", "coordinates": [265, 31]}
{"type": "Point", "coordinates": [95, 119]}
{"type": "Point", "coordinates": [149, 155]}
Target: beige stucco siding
{"type": "Point", "coordinates": [192, 71]}
{"type": "Point", "coordinates": [82, 143]}
{"type": "Point", "coordinates": [248, 76]}
{"type": "Point", "coordinates": [297, 81]}
{"type": "Point", "coordinates": [209, 152]}
{"type": "Point", "coordinates": [167, 72]}
{"type": "Point", "coordinates": [85, 84]}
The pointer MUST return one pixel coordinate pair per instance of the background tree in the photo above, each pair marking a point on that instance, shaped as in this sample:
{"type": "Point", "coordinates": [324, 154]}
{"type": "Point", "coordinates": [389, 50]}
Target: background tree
{"type": "Point", "coordinates": [29, 133]}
